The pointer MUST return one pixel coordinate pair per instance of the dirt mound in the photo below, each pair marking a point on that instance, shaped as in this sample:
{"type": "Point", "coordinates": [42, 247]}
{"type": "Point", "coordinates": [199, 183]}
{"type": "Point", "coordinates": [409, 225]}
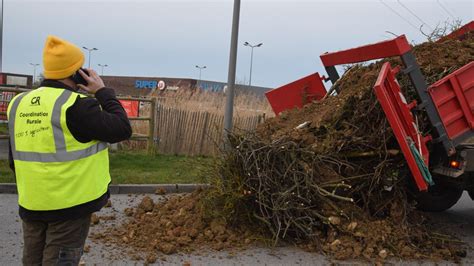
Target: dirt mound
{"type": "Point", "coordinates": [174, 225]}
{"type": "Point", "coordinates": [435, 59]}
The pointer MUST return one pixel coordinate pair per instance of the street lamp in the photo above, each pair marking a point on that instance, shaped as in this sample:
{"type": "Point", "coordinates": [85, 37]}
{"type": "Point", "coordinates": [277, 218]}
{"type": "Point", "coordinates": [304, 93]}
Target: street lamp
{"type": "Point", "coordinates": [90, 50]}
{"type": "Point", "coordinates": [1, 38]}
{"type": "Point", "coordinates": [200, 70]}
{"type": "Point", "coordinates": [229, 103]}
{"type": "Point", "coordinates": [102, 68]}
{"type": "Point", "coordinates": [34, 71]}
{"type": "Point", "coordinates": [251, 59]}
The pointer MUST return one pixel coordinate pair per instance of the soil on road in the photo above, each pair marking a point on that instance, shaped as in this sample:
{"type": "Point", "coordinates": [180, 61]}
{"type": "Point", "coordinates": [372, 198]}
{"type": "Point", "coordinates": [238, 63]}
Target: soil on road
{"type": "Point", "coordinates": [459, 220]}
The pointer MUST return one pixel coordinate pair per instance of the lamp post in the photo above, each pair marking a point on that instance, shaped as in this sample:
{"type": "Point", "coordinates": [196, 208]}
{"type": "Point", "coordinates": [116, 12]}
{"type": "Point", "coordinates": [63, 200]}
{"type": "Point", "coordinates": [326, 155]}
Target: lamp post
{"type": "Point", "coordinates": [229, 105]}
{"type": "Point", "coordinates": [102, 68]}
{"type": "Point", "coordinates": [34, 72]}
{"type": "Point", "coordinates": [200, 70]}
{"type": "Point", "coordinates": [251, 58]}
{"type": "Point", "coordinates": [90, 50]}
{"type": "Point", "coordinates": [1, 39]}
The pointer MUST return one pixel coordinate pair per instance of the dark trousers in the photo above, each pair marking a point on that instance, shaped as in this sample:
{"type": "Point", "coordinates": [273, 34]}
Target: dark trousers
{"type": "Point", "coordinates": [54, 243]}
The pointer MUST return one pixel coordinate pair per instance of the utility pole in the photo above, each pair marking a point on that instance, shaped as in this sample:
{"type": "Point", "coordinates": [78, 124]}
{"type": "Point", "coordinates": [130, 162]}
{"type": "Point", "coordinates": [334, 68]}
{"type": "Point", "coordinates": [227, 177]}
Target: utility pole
{"type": "Point", "coordinates": [102, 68]}
{"type": "Point", "coordinates": [34, 72]}
{"type": "Point", "coordinates": [251, 58]}
{"type": "Point", "coordinates": [229, 107]}
{"type": "Point", "coordinates": [90, 50]}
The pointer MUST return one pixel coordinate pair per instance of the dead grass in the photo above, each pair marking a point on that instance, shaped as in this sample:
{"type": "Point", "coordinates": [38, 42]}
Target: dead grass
{"type": "Point", "coordinates": [246, 105]}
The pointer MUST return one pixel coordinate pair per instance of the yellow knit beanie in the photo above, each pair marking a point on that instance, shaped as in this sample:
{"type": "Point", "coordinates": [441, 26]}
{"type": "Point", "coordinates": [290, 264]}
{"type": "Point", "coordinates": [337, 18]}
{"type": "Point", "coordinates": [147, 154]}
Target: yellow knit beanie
{"type": "Point", "coordinates": [61, 58]}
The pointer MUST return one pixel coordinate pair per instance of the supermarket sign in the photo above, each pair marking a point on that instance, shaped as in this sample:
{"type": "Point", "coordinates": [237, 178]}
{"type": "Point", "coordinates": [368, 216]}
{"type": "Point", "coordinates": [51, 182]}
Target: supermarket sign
{"type": "Point", "coordinates": [146, 84]}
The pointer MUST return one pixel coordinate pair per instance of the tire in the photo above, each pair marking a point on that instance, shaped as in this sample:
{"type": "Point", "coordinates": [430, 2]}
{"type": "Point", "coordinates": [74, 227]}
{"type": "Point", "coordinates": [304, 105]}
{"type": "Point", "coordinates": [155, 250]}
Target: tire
{"type": "Point", "coordinates": [438, 198]}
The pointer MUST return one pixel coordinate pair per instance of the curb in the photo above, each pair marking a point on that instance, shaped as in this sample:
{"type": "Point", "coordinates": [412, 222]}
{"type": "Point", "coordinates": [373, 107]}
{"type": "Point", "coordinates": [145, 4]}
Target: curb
{"type": "Point", "coordinates": [10, 188]}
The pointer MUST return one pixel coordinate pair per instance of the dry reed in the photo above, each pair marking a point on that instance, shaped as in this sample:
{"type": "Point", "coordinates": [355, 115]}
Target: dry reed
{"type": "Point", "coordinates": [249, 110]}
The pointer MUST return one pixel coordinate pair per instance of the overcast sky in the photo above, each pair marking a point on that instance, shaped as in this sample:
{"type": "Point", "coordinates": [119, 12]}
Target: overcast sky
{"type": "Point", "coordinates": [168, 38]}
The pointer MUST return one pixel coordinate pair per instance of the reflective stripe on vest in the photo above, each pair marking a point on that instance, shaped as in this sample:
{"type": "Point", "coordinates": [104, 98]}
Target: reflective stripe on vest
{"type": "Point", "coordinates": [61, 155]}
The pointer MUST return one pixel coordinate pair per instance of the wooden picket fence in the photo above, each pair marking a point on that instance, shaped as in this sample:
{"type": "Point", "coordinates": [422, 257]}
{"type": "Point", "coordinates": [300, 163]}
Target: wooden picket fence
{"type": "Point", "coordinates": [174, 129]}
{"type": "Point", "coordinates": [195, 132]}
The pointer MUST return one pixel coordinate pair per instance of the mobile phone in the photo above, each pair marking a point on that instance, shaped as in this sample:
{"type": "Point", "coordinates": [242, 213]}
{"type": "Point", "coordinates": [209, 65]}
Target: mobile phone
{"type": "Point", "coordinates": [78, 79]}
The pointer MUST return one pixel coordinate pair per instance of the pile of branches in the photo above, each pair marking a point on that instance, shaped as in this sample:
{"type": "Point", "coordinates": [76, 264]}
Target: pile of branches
{"type": "Point", "coordinates": [331, 175]}
{"type": "Point", "coordinates": [298, 195]}
{"type": "Point", "coordinates": [297, 191]}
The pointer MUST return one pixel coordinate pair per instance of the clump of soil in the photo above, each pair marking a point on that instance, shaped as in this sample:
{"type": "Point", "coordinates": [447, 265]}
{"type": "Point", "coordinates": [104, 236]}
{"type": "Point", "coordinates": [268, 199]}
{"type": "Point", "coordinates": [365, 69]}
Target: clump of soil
{"type": "Point", "coordinates": [160, 191]}
{"type": "Point", "coordinates": [174, 225]}
{"type": "Point", "coordinates": [146, 205]}
{"type": "Point", "coordinates": [95, 219]}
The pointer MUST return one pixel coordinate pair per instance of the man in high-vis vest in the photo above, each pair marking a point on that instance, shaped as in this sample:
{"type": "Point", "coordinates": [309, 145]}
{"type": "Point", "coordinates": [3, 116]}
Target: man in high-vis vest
{"type": "Point", "coordinates": [58, 151]}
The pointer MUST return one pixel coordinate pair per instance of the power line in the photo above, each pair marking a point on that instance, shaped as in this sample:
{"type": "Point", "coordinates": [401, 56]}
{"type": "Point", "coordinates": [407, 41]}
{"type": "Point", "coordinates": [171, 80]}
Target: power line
{"type": "Point", "coordinates": [445, 9]}
{"type": "Point", "coordinates": [398, 14]}
{"type": "Point", "coordinates": [451, 9]}
{"type": "Point", "coordinates": [389, 32]}
{"type": "Point", "coordinates": [414, 14]}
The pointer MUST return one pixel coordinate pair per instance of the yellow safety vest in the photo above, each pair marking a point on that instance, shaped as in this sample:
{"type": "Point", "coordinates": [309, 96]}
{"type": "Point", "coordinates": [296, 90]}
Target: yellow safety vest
{"type": "Point", "coordinates": [53, 170]}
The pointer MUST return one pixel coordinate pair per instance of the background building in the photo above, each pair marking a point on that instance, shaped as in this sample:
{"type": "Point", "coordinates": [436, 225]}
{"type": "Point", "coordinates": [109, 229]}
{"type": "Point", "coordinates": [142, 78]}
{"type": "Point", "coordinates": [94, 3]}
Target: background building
{"type": "Point", "coordinates": [143, 86]}
{"type": "Point", "coordinates": [18, 80]}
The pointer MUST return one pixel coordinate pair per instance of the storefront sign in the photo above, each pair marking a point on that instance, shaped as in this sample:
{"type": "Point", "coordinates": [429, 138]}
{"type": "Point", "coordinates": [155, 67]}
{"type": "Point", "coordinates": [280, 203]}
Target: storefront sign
{"type": "Point", "coordinates": [5, 96]}
{"type": "Point", "coordinates": [161, 85]}
{"type": "Point", "coordinates": [146, 84]}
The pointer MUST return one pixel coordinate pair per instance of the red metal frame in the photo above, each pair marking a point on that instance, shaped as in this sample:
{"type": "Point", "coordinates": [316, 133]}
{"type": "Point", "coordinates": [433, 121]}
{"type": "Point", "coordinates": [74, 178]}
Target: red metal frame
{"type": "Point", "coordinates": [401, 120]}
{"type": "Point", "coordinates": [460, 33]}
{"type": "Point", "coordinates": [453, 97]}
{"type": "Point", "coordinates": [394, 47]}
{"type": "Point", "coordinates": [310, 88]}
{"type": "Point", "coordinates": [297, 93]}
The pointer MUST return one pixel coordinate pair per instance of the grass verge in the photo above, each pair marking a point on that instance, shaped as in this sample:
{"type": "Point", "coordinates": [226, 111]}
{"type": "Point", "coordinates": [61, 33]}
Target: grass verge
{"type": "Point", "coordinates": [140, 168]}
{"type": "Point", "coordinates": [6, 175]}
{"type": "Point", "coordinates": [3, 128]}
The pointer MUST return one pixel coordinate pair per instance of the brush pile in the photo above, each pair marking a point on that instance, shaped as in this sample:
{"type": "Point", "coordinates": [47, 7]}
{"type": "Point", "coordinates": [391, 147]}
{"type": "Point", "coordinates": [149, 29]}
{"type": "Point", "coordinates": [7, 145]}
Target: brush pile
{"type": "Point", "coordinates": [330, 174]}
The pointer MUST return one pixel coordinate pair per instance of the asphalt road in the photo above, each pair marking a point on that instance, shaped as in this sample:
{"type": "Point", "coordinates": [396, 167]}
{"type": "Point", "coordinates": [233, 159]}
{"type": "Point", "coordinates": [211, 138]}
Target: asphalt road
{"type": "Point", "coordinates": [3, 149]}
{"type": "Point", "coordinates": [459, 220]}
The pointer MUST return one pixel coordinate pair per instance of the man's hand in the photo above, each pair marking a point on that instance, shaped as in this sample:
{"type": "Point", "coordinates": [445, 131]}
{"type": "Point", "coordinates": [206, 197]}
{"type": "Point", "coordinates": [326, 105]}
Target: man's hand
{"type": "Point", "coordinates": [94, 82]}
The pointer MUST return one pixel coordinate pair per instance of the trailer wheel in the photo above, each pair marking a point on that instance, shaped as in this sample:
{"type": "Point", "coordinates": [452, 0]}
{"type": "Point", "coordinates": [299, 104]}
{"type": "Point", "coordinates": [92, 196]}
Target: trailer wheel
{"type": "Point", "coordinates": [438, 198]}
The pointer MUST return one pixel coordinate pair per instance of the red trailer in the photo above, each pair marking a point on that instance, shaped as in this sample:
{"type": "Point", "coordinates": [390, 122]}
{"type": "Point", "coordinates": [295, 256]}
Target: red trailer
{"type": "Point", "coordinates": [444, 170]}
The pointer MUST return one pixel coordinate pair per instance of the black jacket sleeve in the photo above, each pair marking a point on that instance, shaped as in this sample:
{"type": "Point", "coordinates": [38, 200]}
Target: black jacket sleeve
{"type": "Point", "coordinates": [101, 118]}
{"type": "Point", "coordinates": [10, 157]}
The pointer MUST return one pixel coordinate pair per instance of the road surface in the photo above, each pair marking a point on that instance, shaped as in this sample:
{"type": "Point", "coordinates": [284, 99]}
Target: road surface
{"type": "Point", "coordinates": [3, 149]}
{"type": "Point", "coordinates": [459, 220]}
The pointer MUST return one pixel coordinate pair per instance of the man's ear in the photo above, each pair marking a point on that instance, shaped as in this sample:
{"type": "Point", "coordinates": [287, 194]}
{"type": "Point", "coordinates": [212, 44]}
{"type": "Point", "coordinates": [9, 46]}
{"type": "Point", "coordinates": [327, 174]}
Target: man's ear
{"type": "Point", "coordinates": [69, 82]}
